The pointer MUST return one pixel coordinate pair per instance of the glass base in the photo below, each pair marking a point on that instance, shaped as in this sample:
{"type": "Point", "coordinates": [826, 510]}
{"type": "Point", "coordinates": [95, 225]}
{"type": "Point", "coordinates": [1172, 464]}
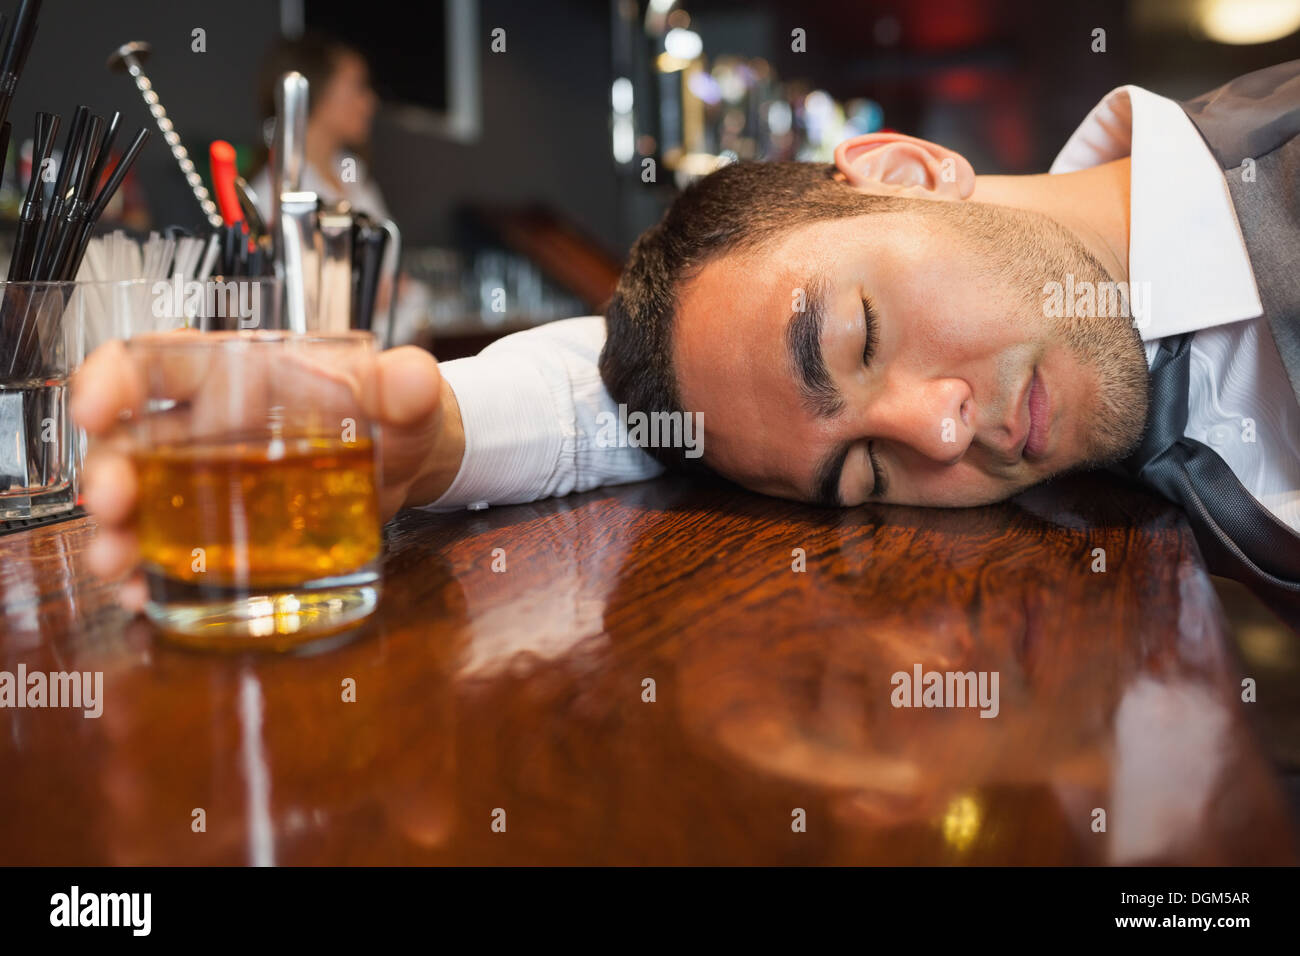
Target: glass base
{"type": "Point", "coordinates": [59, 501]}
{"type": "Point", "coordinates": [238, 619]}
{"type": "Point", "coordinates": [36, 449]}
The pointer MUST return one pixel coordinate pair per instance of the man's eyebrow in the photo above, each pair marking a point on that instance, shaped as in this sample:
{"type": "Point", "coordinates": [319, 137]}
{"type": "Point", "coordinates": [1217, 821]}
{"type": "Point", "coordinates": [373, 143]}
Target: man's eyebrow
{"type": "Point", "coordinates": [826, 484]}
{"type": "Point", "coordinates": [803, 338]}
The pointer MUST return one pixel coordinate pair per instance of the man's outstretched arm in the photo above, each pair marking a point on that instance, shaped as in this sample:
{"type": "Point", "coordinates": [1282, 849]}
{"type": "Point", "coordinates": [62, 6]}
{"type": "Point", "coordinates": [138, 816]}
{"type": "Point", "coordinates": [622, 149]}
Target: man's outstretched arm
{"type": "Point", "coordinates": [530, 414]}
{"type": "Point", "coordinates": [518, 422]}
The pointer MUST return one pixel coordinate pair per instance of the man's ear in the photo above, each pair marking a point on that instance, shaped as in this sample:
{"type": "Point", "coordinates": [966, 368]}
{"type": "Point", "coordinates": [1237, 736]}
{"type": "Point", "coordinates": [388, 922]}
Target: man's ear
{"type": "Point", "coordinates": [892, 164]}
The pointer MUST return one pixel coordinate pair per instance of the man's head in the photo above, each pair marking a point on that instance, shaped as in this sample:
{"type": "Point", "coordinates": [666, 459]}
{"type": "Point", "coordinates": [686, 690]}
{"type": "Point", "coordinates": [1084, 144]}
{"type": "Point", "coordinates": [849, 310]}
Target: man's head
{"type": "Point", "coordinates": [864, 330]}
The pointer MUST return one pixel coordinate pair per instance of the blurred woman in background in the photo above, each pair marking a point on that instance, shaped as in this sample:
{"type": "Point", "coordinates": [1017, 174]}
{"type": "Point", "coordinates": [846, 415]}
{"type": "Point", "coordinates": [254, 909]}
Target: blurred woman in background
{"type": "Point", "coordinates": [341, 109]}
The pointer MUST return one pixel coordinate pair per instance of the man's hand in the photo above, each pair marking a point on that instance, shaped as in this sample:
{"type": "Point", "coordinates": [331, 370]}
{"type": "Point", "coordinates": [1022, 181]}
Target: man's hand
{"type": "Point", "coordinates": [422, 442]}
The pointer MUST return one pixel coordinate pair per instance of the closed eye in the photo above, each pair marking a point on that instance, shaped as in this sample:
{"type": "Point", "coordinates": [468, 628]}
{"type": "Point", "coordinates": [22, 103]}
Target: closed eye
{"type": "Point", "coordinates": [879, 482]}
{"type": "Point", "coordinates": [873, 331]}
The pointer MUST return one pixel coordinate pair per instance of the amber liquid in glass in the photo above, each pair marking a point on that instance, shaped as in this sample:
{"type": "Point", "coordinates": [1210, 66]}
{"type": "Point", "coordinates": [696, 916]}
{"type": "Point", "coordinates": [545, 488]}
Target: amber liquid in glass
{"type": "Point", "coordinates": [264, 514]}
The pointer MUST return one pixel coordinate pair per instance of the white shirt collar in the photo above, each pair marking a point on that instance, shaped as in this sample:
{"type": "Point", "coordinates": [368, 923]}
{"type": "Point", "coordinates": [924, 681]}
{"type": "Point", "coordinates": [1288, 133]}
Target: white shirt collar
{"type": "Point", "coordinates": [1184, 240]}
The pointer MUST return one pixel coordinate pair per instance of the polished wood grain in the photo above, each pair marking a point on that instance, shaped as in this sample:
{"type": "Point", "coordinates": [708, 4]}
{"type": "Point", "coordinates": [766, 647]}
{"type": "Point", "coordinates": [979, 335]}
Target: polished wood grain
{"type": "Point", "coordinates": [522, 692]}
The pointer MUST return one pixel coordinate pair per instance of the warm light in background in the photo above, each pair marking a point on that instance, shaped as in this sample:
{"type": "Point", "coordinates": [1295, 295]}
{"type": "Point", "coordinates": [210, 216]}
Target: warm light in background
{"type": "Point", "coordinates": [1248, 21]}
{"type": "Point", "coordinates": [667, 63]}
{"type": "Point", "coordinates": [961, 821]}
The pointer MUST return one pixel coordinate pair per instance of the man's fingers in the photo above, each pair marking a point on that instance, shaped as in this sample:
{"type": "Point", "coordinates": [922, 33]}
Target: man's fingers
{"type": "Point", "coordinates": [105, 386]}
{"type": "Point", "coordinates": [133, 593]}
{"type": "Point", "coordinates": [113, 553]}
{"type": "Point", "coordinates": [109, 487]}
{"type": "Point", "coordinates": [399, 387]}
{"type": "Point", "coordinates": [405, 387]}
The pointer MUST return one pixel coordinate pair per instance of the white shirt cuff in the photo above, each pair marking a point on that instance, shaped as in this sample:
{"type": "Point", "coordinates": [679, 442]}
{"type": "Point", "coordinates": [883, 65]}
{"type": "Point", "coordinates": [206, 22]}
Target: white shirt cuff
{"type": "Point", "coordinates": [511, 442]}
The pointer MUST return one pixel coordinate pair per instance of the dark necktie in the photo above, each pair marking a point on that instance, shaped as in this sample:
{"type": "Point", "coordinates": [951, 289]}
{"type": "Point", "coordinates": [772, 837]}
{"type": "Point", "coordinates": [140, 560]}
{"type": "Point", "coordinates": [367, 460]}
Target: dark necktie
{"type": "Point", "coordinates": [1238, 536]}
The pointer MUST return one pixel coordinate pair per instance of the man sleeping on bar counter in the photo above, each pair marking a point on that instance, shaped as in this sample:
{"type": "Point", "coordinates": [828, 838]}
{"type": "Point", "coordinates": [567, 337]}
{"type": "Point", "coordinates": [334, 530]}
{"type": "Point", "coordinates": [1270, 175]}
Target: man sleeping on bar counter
{"type": "Point", "coordinates": [895, 328]}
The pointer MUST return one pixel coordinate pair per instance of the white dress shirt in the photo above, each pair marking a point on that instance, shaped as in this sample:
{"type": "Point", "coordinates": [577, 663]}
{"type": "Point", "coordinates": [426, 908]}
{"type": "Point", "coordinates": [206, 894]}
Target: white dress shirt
{"type": "Point", "coordinates": [531, 403]}
{"type": "Point", "coordinates": [358, 189]}
{"type": "Point", "coordinates": [1185, 244]}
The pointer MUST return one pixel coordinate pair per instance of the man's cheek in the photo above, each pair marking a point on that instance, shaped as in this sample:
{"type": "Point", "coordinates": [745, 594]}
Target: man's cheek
{"type": "Point", "coordinates": [967, 491]}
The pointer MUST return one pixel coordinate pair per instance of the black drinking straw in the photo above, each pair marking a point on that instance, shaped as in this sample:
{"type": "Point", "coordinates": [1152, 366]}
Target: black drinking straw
{"type": "Point", "coordinates": [101, 200]}
{"type": "Point", "coordinates": [101, 161]}
{"type": "Point", "coordinates": [11, 67]}
{"type": "Point", "coordinates": [16, 50]}
{"type": "Point", "coordinates": [11, 326]}
{"type": "Point", "coordinates": [5, 130]}
{"type": "Point", "coordinates": [74, 210]}
{"type": "Point", "coordinates": [4, 22]}
{"type": "Point", "coordinates": [17, 335]}
{"type": "Point", "coordinates": [119, 172]}
{"type": "Point", "coordinates": [49, 222]}
{"type": "Point", "coordinates": [18, 45]}
{"type": "Point", "coordinates": [47, 127]}
{"type": "Point", "coordinates": [90, 143]}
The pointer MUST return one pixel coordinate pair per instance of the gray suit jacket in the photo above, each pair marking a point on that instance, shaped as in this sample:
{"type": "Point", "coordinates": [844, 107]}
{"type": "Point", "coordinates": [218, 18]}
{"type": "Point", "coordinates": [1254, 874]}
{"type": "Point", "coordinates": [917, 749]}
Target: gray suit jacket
{"type": "Point", "coordinates": [1256, 117]}
{"type": "Point", "coordinates": [1252, 126]}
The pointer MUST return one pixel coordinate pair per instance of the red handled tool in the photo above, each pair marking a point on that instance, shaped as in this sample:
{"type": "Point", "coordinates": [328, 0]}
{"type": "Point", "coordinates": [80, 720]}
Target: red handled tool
{"type": "Point", "coordinates": [222, 156]}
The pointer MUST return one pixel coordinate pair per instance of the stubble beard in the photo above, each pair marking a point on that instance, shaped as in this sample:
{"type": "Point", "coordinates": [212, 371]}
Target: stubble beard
{"type": "Point", "coordinates": [1027, 250]}
{"type": "Point", "coordinates": [1110, 348]}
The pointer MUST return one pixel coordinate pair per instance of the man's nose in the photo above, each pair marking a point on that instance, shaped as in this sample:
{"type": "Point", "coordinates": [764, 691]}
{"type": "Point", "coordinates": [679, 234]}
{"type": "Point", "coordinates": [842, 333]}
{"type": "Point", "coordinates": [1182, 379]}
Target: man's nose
{"type": "Point", "coordinates": [933, 416]}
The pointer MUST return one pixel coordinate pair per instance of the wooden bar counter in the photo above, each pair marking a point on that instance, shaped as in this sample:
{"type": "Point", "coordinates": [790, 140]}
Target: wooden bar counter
{"type": "Point", "coordinates": [668, 673]}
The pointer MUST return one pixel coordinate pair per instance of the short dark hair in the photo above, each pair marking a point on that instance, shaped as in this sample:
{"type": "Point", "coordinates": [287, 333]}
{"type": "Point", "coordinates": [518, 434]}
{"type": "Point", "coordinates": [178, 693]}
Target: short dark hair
{"type": "Point", "coordinates": [315, 55]}
{"type": "Point", "coordinates": [734, 209]}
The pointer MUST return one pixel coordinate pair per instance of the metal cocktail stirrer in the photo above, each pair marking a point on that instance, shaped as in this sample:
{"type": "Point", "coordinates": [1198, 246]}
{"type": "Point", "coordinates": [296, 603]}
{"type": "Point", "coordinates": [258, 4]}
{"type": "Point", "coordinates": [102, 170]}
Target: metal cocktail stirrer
{"type": "Point", "coordinates": [129, 57]}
